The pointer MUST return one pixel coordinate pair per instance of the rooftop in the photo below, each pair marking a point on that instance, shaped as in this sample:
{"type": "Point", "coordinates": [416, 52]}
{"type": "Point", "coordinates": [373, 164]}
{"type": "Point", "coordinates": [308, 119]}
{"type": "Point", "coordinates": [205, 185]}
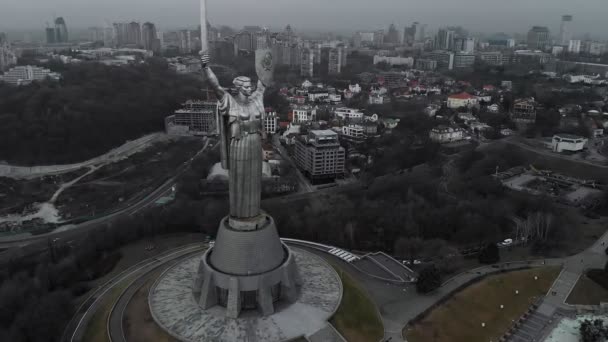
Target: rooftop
{"type": "Point", "coordinates": [569, 136]}
{"type": "Point", "coordinates": [462, 96]}
{"type": "Point", "coordinates": [323, 132]}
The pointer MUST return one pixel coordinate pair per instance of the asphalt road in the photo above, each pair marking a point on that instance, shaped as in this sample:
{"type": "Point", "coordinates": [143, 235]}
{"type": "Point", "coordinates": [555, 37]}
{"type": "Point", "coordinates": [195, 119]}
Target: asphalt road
{"type": "Point", "coordinates": [76, 328]}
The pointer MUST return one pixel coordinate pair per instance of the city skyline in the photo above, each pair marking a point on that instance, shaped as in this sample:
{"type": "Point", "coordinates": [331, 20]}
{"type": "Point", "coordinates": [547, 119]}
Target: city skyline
{"type": "Point", "coordinates": [478, 16]}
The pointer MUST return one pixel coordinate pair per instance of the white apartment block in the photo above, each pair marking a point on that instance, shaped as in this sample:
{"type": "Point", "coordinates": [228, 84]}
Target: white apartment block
{"type": "Point", "coordinates": [271, 122]}
{"type": "Point", "coordinates": [348, 114]}
{"type": "Point", "coordinates": [302, 114]}
{"type": "Point", "coordinates": [353, 131]}
{"type": "Point", "coordinates": [574, 46]}
{"type": "Point", "coordinates": [23, 75]}
{"type": "Point", "coordinates": [443, 134]}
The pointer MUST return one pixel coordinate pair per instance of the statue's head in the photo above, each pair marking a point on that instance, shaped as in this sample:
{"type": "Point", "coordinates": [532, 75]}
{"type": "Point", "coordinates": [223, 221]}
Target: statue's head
{"type": "Point", "coordinates": [244, 86]}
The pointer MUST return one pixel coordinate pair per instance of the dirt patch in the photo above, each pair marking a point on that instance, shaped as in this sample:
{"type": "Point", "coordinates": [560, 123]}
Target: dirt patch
{"type": "Point", "coordinates": [117, 184]}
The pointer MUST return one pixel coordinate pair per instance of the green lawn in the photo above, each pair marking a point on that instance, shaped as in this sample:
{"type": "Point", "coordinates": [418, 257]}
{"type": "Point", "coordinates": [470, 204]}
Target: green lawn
{"type": "Point", "coordinates": [357, 318]}
{"type": "Point", "coordinates": [587, 292]}
{"type": "Point", "coordinates": [460, 318]}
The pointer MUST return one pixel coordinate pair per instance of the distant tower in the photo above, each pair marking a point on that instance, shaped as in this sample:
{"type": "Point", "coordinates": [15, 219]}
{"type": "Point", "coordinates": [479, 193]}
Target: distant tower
{"type": "Point", "coordinates": [444, 39]}
{"type": "Point", "coordinates": [149, 39]}
{"type": "Point", "coordinates": [538, 38]}
{"type": "Point", "coordinates": [564, 31]}
{"type": "Point", "coordinates": [307, 63]}
{"type": "Point", "coordinates": [50, 34]}
{"type": "Point", "coordinates": [289, 35]}
{"type": "Point", "coordinates": [392, 37]}
{"type": "Point", "coordinates": [61, 31]}
{"type": "Point", "coordinates": [134, 33]}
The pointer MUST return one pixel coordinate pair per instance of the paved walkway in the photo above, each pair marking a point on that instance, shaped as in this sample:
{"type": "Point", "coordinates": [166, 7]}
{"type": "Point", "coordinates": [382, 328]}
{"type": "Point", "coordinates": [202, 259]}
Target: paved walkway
{"type": "Point", "coordinates": [554, 304]}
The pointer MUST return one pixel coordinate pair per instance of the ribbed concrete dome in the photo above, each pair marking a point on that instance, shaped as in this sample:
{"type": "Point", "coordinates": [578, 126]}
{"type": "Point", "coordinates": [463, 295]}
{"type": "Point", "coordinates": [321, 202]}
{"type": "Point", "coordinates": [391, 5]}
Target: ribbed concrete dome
{"type": "Point", "coordinates": [247, 252]}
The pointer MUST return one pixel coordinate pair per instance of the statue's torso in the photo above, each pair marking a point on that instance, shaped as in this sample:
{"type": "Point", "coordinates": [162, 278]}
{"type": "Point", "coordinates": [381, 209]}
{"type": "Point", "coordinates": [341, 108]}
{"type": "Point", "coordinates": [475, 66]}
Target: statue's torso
{"type": "Point", "coordinates": [244, 118]}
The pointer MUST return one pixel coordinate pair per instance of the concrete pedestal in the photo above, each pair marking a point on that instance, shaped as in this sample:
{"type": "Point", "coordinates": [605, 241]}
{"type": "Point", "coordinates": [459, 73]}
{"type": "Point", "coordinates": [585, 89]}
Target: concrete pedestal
{"type": "Point", "coordinates": [247, 266]}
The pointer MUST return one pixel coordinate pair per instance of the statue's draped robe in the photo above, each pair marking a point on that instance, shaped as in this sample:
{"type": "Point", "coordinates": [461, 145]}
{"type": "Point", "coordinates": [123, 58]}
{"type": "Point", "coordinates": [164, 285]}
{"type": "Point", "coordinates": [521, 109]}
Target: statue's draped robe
{"type": "Point", "coordinates": [241, 126]}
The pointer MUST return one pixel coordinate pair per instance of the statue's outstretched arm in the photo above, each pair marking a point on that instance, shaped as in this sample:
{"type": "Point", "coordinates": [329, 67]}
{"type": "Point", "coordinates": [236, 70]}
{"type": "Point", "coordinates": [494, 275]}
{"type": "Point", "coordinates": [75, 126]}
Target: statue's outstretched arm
{"type": "Point", "coordinates": [211, 78]}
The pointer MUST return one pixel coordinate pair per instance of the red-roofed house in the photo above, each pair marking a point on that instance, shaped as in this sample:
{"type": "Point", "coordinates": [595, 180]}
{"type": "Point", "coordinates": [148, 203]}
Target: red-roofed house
{"type": "Point", "coordinates": [462, 100]}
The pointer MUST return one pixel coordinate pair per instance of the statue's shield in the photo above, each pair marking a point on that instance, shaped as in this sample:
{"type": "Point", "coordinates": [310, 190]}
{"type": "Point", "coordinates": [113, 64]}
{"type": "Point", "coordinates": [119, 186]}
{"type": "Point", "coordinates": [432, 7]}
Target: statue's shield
{"type": "Point", "coordinates": [264, 65]}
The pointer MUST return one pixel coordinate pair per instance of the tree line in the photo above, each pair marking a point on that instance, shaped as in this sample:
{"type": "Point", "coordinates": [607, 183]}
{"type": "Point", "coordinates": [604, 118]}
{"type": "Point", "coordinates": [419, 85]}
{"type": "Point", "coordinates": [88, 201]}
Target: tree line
{"type": "Point", "coordinates": [93, 109]}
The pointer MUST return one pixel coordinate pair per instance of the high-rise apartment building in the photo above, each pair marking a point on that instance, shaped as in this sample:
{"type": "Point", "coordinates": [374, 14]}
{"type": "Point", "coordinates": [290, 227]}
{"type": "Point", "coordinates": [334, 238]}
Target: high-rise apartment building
{"type": "Point", "coordinates": [444, 40]}
{"type": "Point", "coordinates": [61, 31]}
{"type": "Point", "coordinates": [148, 37]}
{"type": "Point", "coordinates": [392, 36]}
{"type": "Point", "coordinates": [7, 55]}
{"type": "Point", "coordinates": [538, 38]}
{"type": "Point", "coordinates": [564, 30]}
{"type": "Point", "coordinates": [307, 63]}
{"type": "Point", "coordinates": [96, 34]}
{"type": "Point", "coordinates": [320, 156]}
{"type": "Point", "coordinates": [444, 59]}
{"type": "Point", "coordinates": [120, 32]}
{"type": "Point", "coordinates": [574, 46]}
{"type": "Point", "coordinates": [245, 41]}
{"type": "Point", "coordinates": [50, 35]}
{"type": "Point", "coordinates": [134, 34]}
{"type": "Point", "coordinates": [337, 60]}
{"type": "Point", "coordinates": [468, 45]}
{"type": "Point", "coordinates": [379, 38]}
{"type": "Point", "coordinates": [186, 43]}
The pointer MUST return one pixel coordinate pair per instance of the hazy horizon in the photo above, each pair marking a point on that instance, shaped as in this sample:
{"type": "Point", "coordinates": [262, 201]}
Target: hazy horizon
{"type": "Point", "coordinates": [514, 16]}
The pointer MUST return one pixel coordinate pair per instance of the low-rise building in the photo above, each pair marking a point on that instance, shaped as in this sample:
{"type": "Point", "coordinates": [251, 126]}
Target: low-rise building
{"type": "Point", "coordinates": [444, 134]}
{"type": "Point", "coordinates": [494, 108]}
{"type": "Point", "coordinates": [425, 64]}
{"type": "Point", "coordinates": [462, 100]}
{"type": "Point", "coordinates": [464, 60]}
{"type": "Point", "coordinates": [198, 118]}
{"type": "Point", "coordinates": [370, 129]}
{"type": "Point", "coordinates": [317, 94]}
{"type": "Point", "coordinates": [303, 114]}
{"type": "Point", "coordinates": [444, 59]}
{"type": "Point", "coordinates": [378, 99]}
{"type": "Point", "coordinates": [348, 113]}
{"type": "Point", "coordinates": [26, 74]}
{"type": "Point", "coordinates": [320, 156]}
{"type": "Point", "coordinates": [568, 143]}
{"type": "Point", "coordinates": [524, 111]}
{"type": "Point", "coordinates": [354, 88]}
{"type": "Point", "coordinates": [353, 131]}
{"type": "Point", "coordinates": [406, 61]}
{"type": "Point", "coordinates": [493, 57]}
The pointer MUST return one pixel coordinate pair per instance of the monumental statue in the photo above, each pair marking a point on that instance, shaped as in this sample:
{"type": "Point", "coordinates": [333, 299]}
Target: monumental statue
{"type": "Point", "coordinates": [241, 132]}
{"type": "Point", "coordinates": [248, 267]}
{"type": "Point", "coordinates": [249, 285]}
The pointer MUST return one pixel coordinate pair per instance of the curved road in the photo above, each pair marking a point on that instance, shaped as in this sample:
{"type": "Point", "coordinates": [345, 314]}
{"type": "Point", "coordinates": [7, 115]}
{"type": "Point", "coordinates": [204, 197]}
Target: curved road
{"type": "Point", "coordinates": [76, 328]}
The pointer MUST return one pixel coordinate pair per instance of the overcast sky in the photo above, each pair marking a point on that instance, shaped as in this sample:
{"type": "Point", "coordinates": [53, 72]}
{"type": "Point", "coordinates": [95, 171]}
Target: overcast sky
{"type": "Point", "coordinates": [343, 15]}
